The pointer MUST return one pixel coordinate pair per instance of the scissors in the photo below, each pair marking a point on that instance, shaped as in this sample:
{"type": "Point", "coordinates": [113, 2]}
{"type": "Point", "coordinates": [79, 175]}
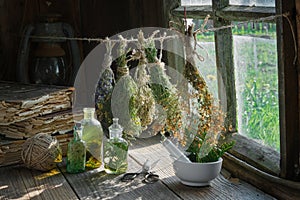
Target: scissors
{"type": "Point", "coordinates": [149, 177]}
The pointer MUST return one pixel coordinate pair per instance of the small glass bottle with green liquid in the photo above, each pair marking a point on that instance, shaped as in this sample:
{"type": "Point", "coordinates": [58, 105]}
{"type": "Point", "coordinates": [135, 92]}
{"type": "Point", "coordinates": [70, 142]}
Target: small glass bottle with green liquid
{"type": "Point", "coordinates": [92, 134]}
{"type": "Point", "coordinates": [115, 150]}
{"type": "Point", "coordinates": [76, 153]}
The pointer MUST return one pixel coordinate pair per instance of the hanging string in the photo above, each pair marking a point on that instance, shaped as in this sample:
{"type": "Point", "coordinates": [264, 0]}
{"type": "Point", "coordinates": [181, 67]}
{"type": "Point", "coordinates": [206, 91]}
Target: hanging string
{"type": "Point", "coordinates": [99, 40]}
{"type": "Point", "coordinates": [286, 16]}
{"type": "Point", "coordinates": [161, 46]}
{"type": "Point", "coordinates": [133, 40]}
{"type": "Point", "coordinates": [185, 20]}
{"type": "Point", "coordinates": [199, 31]}
{"type": "Point", "coordinates": [122, 70]}
{"type": "Point", "coordinates": [107, 57]}
{"type": "Point", "coordinates": [269, 18]}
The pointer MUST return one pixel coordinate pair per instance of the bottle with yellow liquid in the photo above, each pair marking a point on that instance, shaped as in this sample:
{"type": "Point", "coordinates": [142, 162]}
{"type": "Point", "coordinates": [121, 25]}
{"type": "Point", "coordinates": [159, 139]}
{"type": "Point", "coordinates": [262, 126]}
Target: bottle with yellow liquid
{"type": "Point", "coordinates": [92, 134]}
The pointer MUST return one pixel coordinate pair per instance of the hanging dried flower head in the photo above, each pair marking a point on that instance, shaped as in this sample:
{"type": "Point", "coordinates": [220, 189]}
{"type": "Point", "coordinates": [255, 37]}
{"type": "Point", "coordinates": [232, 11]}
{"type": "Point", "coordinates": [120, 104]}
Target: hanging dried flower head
{"type": "Point", "coordinates": [145, 101]}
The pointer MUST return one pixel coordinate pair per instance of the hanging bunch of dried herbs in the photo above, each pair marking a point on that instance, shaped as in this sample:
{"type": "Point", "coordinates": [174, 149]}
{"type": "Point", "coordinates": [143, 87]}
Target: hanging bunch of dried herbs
{"type": "Point", "coordinates": [203, 96]}
{"type": "Point", "coordinates": [144, 102]}
{"type": "Point", "coordinates": [126, 92]}
{"type": "Point", "coordinates": [104, 89]}
{"type": "Point", "coordinates": [164, 92]}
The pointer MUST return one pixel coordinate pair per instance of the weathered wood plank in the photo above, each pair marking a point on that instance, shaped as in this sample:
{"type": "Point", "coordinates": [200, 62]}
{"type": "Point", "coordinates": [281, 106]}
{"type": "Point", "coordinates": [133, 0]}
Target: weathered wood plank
{"type": "Point", "coordinates": [196, 12]}
{"type": "Point", "coordinates": [9, 181]}
{"type": "Point", "coordinates": [288, 92]}
{"type": "Point", "coordinates": [220, 188]}
{"type": "Point", "coordinates": [231, 13]}
{"type": "Point", "coordinates": [278, 187]}
{"type": "Point", "coordinates": [245, 13]}
{"type": "Point", "coordinates": [225, 67]}
{"type": "Point", "coordinates": [96, 184]}
{"type": "Point", "coordinates": [258, 155]}
{"type": "Point", "coordinates": [18, 182]}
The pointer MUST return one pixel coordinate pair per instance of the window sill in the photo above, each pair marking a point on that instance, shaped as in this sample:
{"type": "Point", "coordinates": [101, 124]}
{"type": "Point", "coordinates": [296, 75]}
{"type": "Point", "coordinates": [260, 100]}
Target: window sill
{"type": "Point", "coordinates": [258, 155]}
{"type": "Point", "coordinates": [273, 185]}
{"type": "Point", "coordinates": [259, 166]}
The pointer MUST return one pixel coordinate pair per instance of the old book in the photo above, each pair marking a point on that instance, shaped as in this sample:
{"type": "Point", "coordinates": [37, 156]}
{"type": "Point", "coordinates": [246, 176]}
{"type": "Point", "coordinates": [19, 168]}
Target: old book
{"type": "Point", "coordinates": [58, 122]}
{"type": "Point", "coordinates": [19, 102]}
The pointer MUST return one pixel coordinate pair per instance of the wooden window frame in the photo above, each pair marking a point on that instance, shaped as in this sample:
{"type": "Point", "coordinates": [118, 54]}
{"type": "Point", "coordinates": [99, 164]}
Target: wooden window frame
{"type": "Point", "coordinates": [261, 166]}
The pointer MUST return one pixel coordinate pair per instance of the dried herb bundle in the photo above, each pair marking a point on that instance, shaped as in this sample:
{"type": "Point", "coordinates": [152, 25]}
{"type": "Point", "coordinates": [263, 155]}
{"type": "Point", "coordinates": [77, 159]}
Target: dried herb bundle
{"type": "Point", "coordinates": [204, 147]}
{"type": "Point", "coordinates": [104, 89]}
{"type": "Point", "coordinates": [164, 92]}
{"type": "Point", "coordinates": [145, 102]}
{"type": "Point", "coordinates": [126, 93]}
{"type": "Point", "coordinates": [203, 96]}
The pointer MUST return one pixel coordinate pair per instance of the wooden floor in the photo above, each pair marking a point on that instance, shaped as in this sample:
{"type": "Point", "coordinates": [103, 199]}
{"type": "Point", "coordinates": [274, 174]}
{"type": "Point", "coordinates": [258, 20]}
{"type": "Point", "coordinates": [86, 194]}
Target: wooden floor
{"type": "Point", "coordinates": [18, 182]}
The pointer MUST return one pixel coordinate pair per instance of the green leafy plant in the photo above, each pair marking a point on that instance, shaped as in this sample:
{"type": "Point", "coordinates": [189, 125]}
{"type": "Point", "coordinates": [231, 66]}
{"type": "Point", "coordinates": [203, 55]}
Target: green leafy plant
{"type": "Point", "coordinates": [213, 154]}
{"type": "Point", "coordinates": [205, 146]}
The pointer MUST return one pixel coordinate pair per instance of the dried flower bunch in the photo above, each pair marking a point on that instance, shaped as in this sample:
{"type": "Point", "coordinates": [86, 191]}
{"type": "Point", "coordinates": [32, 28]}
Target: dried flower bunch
{"type": "Point", "coordinates": [187, 112]}
{"type": "Point", "coordinates": [150, 87]}
{"type": "Point", "coordinates": [165, 93]}
{"type": "Point", "coordinates": [105, 87]}
{"type": "Point", "coordinates": [209, 118]}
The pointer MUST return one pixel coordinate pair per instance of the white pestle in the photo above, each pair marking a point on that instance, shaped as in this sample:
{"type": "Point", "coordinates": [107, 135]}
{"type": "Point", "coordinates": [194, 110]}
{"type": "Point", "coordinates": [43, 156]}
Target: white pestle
{"type": "Point", "coordinates": [175, 153]}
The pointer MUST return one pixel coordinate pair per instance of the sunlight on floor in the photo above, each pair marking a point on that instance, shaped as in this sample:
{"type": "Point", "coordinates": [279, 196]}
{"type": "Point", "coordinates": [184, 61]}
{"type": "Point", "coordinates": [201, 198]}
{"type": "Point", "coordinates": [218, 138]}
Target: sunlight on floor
{"type": "Point", "coordinates": [47, 174]}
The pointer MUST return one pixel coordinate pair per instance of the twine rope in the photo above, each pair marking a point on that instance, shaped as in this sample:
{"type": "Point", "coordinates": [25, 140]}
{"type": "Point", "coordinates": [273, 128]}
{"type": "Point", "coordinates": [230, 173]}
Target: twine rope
{"type": "Point", "coordinates": [198, 31]}
{"type": "Point", "coordinates": [40, 152]}
{"type": "Point", "coordinates": [123, 71]}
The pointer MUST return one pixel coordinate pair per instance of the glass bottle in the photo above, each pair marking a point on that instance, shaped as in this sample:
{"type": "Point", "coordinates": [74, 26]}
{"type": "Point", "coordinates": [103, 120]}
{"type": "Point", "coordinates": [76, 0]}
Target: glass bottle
{"type": "Point", "coordinates": [76, 153]}
{"type": "Point", "coordinates": [92, 134]}
{"type": "Point", "coordinates": [115, 150]}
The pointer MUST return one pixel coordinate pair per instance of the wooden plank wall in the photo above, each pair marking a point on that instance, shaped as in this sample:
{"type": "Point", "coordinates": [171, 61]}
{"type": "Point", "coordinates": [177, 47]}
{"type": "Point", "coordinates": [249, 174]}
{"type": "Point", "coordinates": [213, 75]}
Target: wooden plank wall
{"type": "Point", "coordinates": [16, 14]}
{"type": "Point", "coordinates": [298, 66]}
{"type": "Point", "coordinates": [91, 18]}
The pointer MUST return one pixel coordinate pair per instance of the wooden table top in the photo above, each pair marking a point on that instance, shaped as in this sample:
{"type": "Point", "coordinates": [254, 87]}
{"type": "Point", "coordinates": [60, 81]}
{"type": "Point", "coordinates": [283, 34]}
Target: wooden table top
{"type": "Point", "coordinates": [18, 182]}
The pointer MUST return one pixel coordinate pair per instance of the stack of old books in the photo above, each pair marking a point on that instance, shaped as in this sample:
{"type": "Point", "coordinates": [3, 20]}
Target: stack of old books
{"type": "Point", "coordinates": [26, 110]}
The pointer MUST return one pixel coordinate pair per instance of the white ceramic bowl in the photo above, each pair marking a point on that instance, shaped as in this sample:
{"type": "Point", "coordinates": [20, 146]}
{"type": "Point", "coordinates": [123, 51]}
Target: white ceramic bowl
{"type": "Point", "coordinates": [197, 174]}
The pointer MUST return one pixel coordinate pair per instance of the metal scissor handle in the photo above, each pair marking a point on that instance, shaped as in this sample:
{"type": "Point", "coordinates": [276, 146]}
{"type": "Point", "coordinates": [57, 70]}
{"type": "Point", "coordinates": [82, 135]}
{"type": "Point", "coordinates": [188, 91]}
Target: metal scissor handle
{"type": "Point", "coordinates": [149, 177]}
{"type": "Point", "coordinates": [129, 177]}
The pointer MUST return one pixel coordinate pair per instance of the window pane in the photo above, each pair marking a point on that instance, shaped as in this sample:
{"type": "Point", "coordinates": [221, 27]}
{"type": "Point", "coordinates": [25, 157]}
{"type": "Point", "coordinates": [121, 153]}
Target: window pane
{"type": "Point", "coordinates": [195, 2]}
{"type": "Point", "coordinates": [206, 49]}
{"type": "Point", "coordinates": [255, 58]}
{"type": "Point", "coordinates": [265, 3]}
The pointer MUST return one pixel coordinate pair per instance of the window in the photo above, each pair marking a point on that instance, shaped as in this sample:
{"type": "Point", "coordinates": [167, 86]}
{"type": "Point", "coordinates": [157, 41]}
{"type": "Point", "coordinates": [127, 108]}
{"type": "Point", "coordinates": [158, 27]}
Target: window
{"type": "Point", "coordinates": [259, 76]}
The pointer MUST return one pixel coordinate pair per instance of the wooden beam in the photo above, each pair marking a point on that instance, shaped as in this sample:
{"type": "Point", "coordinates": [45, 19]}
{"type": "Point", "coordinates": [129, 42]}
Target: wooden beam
{"type": "Point", "coordinates": [245, 13]}
{"type": "Point", "coordinates": [231, 13]}
{"type": "Point", "coordinates": [288, 92]}
{"type": "Point", "coordinates": [196, 12]}
{"type": "Point", "coordinates": [225, 66]}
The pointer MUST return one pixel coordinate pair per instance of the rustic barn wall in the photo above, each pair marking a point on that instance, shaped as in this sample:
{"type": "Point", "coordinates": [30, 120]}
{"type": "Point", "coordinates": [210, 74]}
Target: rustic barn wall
{"type": "Point", "coordinates": [91, 18]}
{"type": "Point", "coordinates": [11, 14]}
{"type": "Point", "coordinates": [102, 19]}
{"type": "Point", "coordinates": [16, 14]}
{"type": "Point", "coordinates": [298, 67]}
